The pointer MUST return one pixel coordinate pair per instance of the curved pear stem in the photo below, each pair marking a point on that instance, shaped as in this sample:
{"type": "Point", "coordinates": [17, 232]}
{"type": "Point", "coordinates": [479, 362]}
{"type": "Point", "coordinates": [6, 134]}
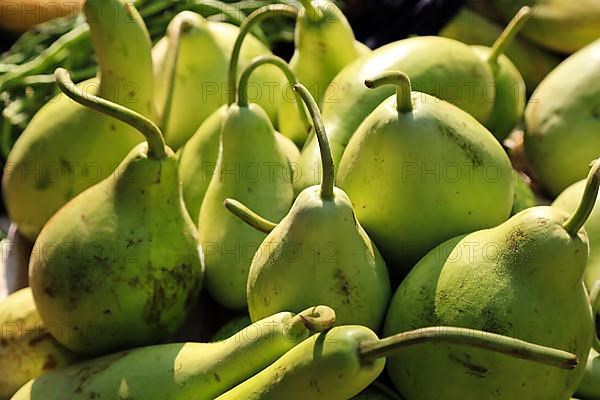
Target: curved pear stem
{"type": "Point", "coordinates": [313, 13]}
{"type": "Point", "coordinates": [307, 4]}
{"type": "Point", "coordinates": [509, 33]}
{"type": "Point", "coordinates": [469, 337]}
{"type": "Point", "coordinates": [404, 102]}
{"type": "Point", "coordinates": [289, 75]}
{"type": "Point", "coordinates": [248, 216]}
{"type": "Point", "coordinates": [588, 200]}
{"type": "Point", "coordinates": [595, 302]}
{"type": "Point", "coordinates": [253, 19]}
{"type": "Point", "coordinates": [152, 133]}
{"type": "Point", "coordinates": [318, 318]}
{"type": "Point", "coordinates": [328, 172]}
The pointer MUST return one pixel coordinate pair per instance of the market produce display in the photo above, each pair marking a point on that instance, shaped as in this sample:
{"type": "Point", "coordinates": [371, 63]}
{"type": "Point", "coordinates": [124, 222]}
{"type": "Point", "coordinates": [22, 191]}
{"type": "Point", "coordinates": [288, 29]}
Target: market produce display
{"type": "Point", "coordinates": [211, 217]}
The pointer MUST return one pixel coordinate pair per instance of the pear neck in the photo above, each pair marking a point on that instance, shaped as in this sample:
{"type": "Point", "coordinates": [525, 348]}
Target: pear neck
{"type": "Point", "coordinates": [283, 67]}
{"type": "Point", "coordinates": [328, 171]}
{"type": "Point", "coordinates": [175, 33]}
{"type": "Point", "coordinates": [508, 34]}
{"type": "Point", "coordinates": [373, 350]}
{"type": "Point", "coordinates": [153, 135]}
{"type": "Point", "coordinates": [404, 103]}
{"type": "Point", "coordinates": [123, 49]}
{"type": "Point", "coordinates": [248, 216]}
{"type": "Point", "coordinates": [253, 19]}
{"type": "Point", "coordinates": [587, 203]}
{"type": "Point", "coordinates": [312, 12]}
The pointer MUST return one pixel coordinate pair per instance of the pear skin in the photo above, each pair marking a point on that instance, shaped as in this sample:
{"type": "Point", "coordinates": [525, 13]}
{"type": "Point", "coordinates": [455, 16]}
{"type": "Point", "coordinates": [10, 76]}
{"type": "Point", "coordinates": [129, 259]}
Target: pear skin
{"type": "Point", "coordinates": [107, 268]}
{"type": "Point", "coordinates": [589, 387]}
{"type": "Point", "coordinates": [343, 361]}
{"type": "Point", "coordinates": [558, 25]}
{"type": "Point", "coordinates": [324, 44]}
{"type": "Point", "coordinates": [513, 279]}
{"type": "Point", "coordinates": [568, 201]}
{"type": "Point", "coordinates": [66, 148]}
{"type": "Point", "coordinates": [532, 61]}
{"type": "Point", "coordinates": [445, 68]}
{"type": "Point", "coordinates": [198, 159]}
{"type": "Point", "coordinates": [252, 167]}
{"type": "Point", "coordinates": [320, 251]}
{"type": "Point", "coordinates": [509, 105]}
{"type": "Point", "coordinates": [200, 371]}
{"type": "Point", "coordinates": [561, 118]}
{"type": "Point", "coordinates": [118, 266]}
{"type": "Point", "coordinates": [430, 156]}
{"type": "Point", "coordinates": [202, 53]}
{"type": "Point", "coordinates": [27, 349]}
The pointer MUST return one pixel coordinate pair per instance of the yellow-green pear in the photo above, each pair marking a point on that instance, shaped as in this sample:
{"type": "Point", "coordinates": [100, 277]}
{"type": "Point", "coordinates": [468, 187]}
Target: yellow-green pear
{"type": "Point", "coordinates": [562, 121]}
{"type": "Point", "coordinates": [317, 253]}
{"type": "Point", "coordinates": [27, 349]}
{"type": "Point", "coordinates": [513, 279]}
{"type": "Point", "coordinates": [324, 45]}
{"type": "Point", "coordinates": [191, 73]}
{"type": "Point", "coordinates": [66, 148]}
{"type": "Point", "coordinates": [119, 266]}
{"type": "Point", "coordinates": [420, 171]}
{"type": "Point", "coordinates": [253, 167]}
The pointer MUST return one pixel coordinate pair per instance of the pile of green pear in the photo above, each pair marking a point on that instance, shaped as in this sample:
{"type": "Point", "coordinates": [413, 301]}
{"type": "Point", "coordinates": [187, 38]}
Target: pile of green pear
{"type": "Point", "coordinates": [211, 221]}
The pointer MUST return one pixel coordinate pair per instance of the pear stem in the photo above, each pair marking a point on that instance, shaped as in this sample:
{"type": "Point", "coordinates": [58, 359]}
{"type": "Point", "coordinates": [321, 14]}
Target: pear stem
{"type": "Point", "coordinates": [595, 302]}
{"type": "Point", "coordinates": [588, 200]}
{"type": "Point", "coordinates": [248, 216]}
{"type": "Point", "coordinates": [308, 6]}
{"type": "Point", "coordinates": [328, 172]}
{"type": "Point", "coordinates": [291, 78]}
{"type": "Point", "coordinates": [508, 34]}
{"type": "Point", "coordinates": [254, 18]}
{"type": "Point", "coordinates": [404, 102]}
{"type": "Point", "coordinates": [469, 337]}
{"type": "Point", "coordinates": [316, 319]}
{"type": "Point", "coordinates": [152, 133]}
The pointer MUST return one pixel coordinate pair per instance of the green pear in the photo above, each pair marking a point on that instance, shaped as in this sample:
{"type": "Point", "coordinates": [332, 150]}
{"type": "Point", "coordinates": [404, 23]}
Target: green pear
{"type": "Point", "coordinates": [253, 167]}
{"type": "Point", "coordinates": [324, 44]}
{"type": "Point", "coordinates": [513, 279]}
{"type": "Point", "coordinates": [560, 25]}
{"type": "Point", "coordinates": [118, 266]}
{"type": "Point", "coordinates": [533, 62]}
{"type": "Point", "coordinates": [445, 68]}
{"type": "Point", "coordinates": [318, 253]}
{"type": "Point", "coordinates": [182, 371]}
{"type": "Point", "coordinates": [420, 171]}
{"type": "Point", "coordinates": [509, 104]}
{"type": "Point", "coordinates": [568, 201]}
{"type": "Point", "coordinates": [197, 159]}
{"type": "Point", "coordinates": [27, 349]}
{"type": "Point", "coordinates": [191, 73]}
{"type": "Point", "coordinates": [563, 117]}
{"type": "Point", "coordinates": [52, 161]}
{"type": "Point", "coordinates": [343, 361]}
{"type": "Point", "coordinates": [589, 387]}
